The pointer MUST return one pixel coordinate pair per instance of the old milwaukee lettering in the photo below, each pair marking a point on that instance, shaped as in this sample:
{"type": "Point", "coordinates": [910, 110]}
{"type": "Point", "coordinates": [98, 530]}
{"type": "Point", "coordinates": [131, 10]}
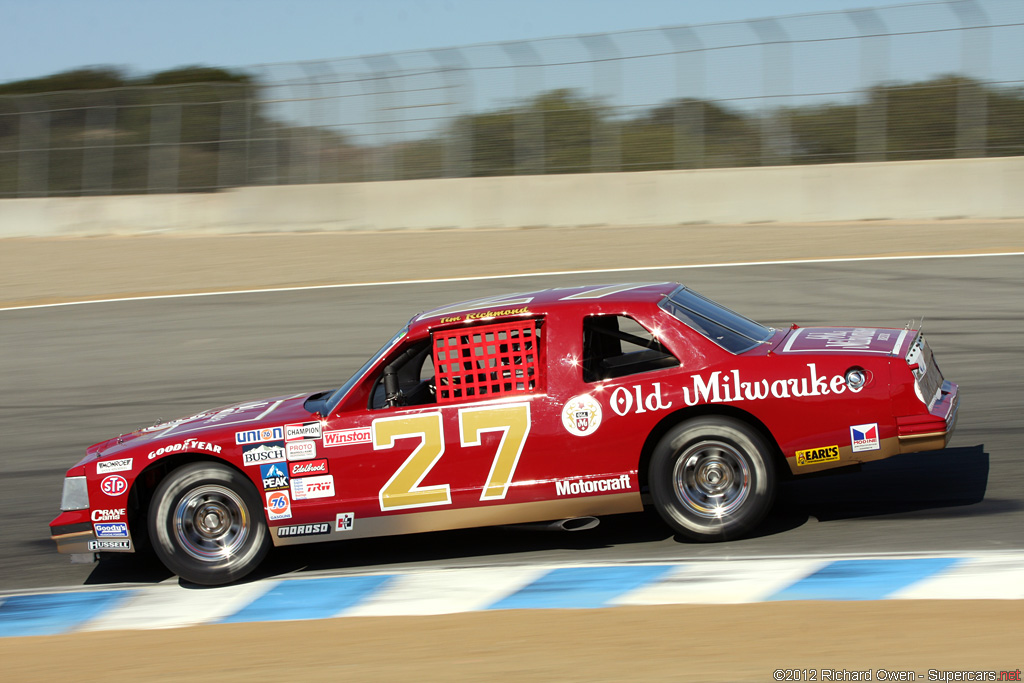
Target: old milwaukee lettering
{"type": "Point", "coordinates": [730, 387]}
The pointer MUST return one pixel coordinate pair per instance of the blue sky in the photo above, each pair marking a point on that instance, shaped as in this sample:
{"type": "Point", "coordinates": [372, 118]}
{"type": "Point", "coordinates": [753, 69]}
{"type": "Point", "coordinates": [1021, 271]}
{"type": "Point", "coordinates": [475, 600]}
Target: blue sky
{"type": "Point", "coordinates": [42, 37]}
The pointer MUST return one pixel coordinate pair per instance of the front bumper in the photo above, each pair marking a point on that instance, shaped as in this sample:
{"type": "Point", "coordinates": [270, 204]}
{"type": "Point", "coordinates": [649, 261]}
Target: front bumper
{"type": "Point", "coordinates": [74, 534]}
{"type": "Point", "coordinates": [932, 431]}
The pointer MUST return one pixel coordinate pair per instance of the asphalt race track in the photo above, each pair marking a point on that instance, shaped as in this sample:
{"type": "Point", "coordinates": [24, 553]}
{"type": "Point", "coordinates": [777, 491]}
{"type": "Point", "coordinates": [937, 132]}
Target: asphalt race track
{"type": "Point", "coordinates": [75, 375]}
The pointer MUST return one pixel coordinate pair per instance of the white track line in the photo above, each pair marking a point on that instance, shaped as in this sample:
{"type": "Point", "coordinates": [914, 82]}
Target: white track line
{"type": "Point", "coordinates": [550, 273]}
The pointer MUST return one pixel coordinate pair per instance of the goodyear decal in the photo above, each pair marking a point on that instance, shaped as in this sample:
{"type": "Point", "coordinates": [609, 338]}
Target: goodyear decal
{"type": "Point", "coordinates": [813, 456]}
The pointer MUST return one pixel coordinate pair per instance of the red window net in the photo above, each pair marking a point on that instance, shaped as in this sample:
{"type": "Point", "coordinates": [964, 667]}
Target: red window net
{"type": "Point", "coordinates": [486, 361]}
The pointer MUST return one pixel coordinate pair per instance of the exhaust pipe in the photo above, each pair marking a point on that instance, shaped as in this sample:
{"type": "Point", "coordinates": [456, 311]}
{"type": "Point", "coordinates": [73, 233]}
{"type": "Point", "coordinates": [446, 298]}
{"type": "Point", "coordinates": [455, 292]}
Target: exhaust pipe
{"type": "Point", "coordinates": [570, 524]}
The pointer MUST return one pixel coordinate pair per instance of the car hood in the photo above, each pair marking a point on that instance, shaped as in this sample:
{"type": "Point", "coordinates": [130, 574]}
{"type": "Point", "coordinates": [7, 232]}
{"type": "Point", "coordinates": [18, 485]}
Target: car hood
{"type": "Point", "coordinates": [877, 341]}
{"type": "Point", "coordinates": [212, 423]}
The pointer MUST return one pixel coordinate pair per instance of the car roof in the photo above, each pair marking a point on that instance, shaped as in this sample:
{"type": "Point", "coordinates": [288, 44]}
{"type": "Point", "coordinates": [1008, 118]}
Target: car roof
{"type": "Point", "coordinates": [543, 302]}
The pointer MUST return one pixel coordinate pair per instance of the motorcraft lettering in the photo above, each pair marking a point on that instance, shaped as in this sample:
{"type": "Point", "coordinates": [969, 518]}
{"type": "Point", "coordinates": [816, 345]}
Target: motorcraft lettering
{"type": "Point", "coordinates": [344, 521]}
{"type": "Point", "coordinates": [305, 469]}
{"type": "Point", "coordinates": [347, 437]}
{"type": "Point", "coordinates": [110, 545]}
{"type": "Point", "coordinates": [813, 456]}
{"type": "Point", "coordinates": [111, 530]}
{"type": "Point", "coordinates": [114, 485]}
{"type": "Point", "coordinates": [279, 505]}
{"type": "Point", "coordinates": [305, 430]}
{"type": "Point", "coordinates": [107, 515]}
{"type": "Point", "coordinates": [317, 529]}
{"type": "Point", "coordinates": [300, 450]}
{"type": "Point", "coordinates": [634, 399]}
{"type": "Point", "coordinates": [581, 415]}
{"type": "Point", "coordinates": [307, 488]}
{"type": "Point", "coordinates": [864, 437]}
{"type": "Point", "coordinates": [267, 452]}
{"type": "Point", "coordinates": [575, 488]}
{"type": "Point", "coordinates": [108, 466]}
{"type": "Point", "coordinates": [186, 445]}
{"type": "Point", "coordinates": [720, 387]}
{"type": "Point", "coordinates": [275, 476]}
{"type": "Point", "coordinates": [259, 435]}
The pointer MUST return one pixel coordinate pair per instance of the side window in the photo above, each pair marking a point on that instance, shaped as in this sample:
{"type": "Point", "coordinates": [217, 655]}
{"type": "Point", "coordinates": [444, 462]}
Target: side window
{"type": "Point", "coordinates": [617, 346]}
{"type": "Point", "coordinates": [488, 361]}
{"type": "Point", "coordinates": [414, 370]}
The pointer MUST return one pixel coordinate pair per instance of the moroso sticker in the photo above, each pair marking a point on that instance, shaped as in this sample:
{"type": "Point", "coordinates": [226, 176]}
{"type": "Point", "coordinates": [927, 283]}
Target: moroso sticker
{"type": "Point", "coordinates": [259, 435]}
{"type": "Point", "coordinates": [111, 530]}
{"type": "Point", "coordinates": [864, 437]}
{"type": "Point", "coordinates": [108, 466]}
{"type": "Point", "coordinates": [306, 488]}
{"type": "Point", "coordinates": [305, 469]}
{"type": "Point", "coordinates": [344, 521]}
{"type": "Point", "coordinates": [813, 456]}
{"type": "Point", "coordinates": [301, 450]}
{"type": "Point", "coordinates": [110, 545]}
{"type": "Point", "coordinates": [114, 485]}
{"type": "Point", "coordinates": [304, 529]}
{"type": "Point", "coordinates": [267, 452]}
{"type": "Point", "coordinates": [581, 415]}
{"type": "Point", "coordinates": [275, 476]}
{"type": "Point", "coordinates": [305, 430]}
{"type": "Point", "coordinates": [279, 506]}
{"type": "Point", "coordinates": [347, 437]}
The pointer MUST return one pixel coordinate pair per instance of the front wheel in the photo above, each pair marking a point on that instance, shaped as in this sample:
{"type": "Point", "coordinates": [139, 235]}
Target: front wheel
{"type": "Point", "coordinates": [712, 478]}
{"type": "Point", "coordinates": [206, 524]}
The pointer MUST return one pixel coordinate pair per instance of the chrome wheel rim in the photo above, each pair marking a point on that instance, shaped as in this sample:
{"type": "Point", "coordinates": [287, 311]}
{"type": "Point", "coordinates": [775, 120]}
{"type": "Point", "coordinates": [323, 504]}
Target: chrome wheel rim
{"type": "Point", "coordinates": [211, 523]}
{"type": "Point", "coordinates": [712, 479]}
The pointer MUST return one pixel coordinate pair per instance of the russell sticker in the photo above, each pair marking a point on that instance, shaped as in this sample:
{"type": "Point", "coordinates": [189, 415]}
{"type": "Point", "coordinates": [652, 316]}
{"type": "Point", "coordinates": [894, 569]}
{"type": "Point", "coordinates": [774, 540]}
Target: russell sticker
{"type": "Point", "coordinates": [581, 415]}
{"type": "Point", "coordinates": [864, 437]}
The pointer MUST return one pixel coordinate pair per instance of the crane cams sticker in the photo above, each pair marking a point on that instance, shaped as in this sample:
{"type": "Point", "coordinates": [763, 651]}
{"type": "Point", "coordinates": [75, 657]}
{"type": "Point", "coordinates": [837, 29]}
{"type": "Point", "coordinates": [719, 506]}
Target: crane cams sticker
{"type": "Point", "coordinates": [582, 415]}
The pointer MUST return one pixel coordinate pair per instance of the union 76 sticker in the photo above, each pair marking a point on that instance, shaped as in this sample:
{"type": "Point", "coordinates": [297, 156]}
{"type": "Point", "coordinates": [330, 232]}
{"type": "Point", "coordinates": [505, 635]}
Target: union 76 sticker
{"type": "Point", "coordinates": [582, 415]}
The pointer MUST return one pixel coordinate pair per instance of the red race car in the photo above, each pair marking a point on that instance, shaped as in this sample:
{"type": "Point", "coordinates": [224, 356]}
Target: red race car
{"type": "Point", "coordinates": [561, 404]}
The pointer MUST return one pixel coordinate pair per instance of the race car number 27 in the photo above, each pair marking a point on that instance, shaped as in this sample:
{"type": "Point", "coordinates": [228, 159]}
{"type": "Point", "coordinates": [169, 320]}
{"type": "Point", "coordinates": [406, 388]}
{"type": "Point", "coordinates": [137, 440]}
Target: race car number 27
{"type": "Point", "coordinates": [403, 489]}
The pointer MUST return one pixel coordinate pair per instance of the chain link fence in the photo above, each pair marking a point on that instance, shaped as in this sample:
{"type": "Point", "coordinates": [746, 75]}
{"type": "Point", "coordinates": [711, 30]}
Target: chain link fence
{"type": "Point", "coordinates": [924, 80]}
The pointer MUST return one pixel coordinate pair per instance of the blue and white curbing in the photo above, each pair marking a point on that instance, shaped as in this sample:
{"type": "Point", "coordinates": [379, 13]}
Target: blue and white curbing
{"type": "Point", "coordinates": [446, 591]}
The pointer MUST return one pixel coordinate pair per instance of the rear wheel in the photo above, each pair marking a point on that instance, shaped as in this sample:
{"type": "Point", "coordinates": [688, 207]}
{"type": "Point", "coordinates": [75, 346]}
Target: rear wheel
{"type": "Point", "coordinates": [206, 524]}
{"type": "Point", "coordinates": [712, 478]}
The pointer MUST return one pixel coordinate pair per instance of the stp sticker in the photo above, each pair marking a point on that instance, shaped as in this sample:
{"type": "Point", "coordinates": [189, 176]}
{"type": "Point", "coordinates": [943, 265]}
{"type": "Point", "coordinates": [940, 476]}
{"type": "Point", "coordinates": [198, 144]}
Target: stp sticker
{"type": "Point", "coordinates": [345, 521]}
{"type": "Point", "coordinates": [864, 437]}
{"type": "Point", "coordinates": [114, 485]}
{"type": "Point", "coordinates": [279, 506]}
{"type": "Point", "coordinates": [582, 415]}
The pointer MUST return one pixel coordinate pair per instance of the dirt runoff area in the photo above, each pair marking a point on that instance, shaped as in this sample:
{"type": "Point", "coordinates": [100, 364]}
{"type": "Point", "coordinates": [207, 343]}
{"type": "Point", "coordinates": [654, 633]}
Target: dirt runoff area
{"type": "Point", "coordinates": [812, 640]}
{"type": "Point", "coordinates": [807, 641]}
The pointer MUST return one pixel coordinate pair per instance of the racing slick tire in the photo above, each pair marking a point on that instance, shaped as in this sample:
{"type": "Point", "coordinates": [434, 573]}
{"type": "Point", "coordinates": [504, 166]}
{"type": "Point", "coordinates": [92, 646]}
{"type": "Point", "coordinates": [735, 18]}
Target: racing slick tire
{"type": "Point", "coordinates": [712, 478]}
{"type": "Point", "coordinates": [206, 524]}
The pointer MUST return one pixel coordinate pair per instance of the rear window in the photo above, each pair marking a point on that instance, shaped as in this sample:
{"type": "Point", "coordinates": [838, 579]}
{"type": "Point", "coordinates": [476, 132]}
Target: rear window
{"type": "Point", "coordinates": [728, 329]}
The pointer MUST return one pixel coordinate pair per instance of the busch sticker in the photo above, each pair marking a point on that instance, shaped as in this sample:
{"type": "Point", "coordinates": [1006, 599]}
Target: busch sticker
{"type": "Point", "coordinates": [279, 506]}
{"type": "Point", "coordinates": [304, 529]}
{"type": "Point", "coordinates": [114, 485]}
{"type": "Point", "coordinates": [306, 488]}
{"type": "Point", "coordinates": [110, 545]}
{"type": "Point", "coordinates": [107, 515]}
{"type": "Point", "coordinates": [268, 452]}
{"type": "Point", "coordinates": [301, 450]}
{"type": "Point", "coordinates": [813, 456]}
{"type": "Point", "coordinates": [344, 521]}
{"type": "Point", "coordinates": [581, 415]}
{"type": "Point", "coordinates": [305, 469]}
{"type": "Point", "coordinates": [108, 466]}
{"type": "Point", "coordinates": [346, 437]}
{"type": "Point", "coordinates": [575, 488]}
{"type": "Point", "coordinates": [625, 401]}
{"type": "Point", "coordinates": [864, 437]}
{"type": "Point", "coordinates": [306, 430]}
{"type": "Point", "coordinates": [259, 435]}
{"type": "Point", "coordinates": [111, 530]}
{"type": "Point", "coordinates": [275, 476]}
{"type": "Point", "coordinates": [727, 388]}
{"type": "Point", "coordinates": [186, 445]}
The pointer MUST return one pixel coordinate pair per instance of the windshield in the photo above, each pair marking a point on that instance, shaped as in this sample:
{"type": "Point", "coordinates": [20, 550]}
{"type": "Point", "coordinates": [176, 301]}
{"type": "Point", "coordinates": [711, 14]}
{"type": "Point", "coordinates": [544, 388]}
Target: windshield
{"type": "Point", "coordinates": [730, 330]}
{"type": "Point", "coordinates": [336, 397]}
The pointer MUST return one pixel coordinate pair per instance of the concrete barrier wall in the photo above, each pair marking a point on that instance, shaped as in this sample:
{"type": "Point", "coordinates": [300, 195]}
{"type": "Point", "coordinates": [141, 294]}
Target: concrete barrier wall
{"type": "Point", "coordinates": [909, 190]}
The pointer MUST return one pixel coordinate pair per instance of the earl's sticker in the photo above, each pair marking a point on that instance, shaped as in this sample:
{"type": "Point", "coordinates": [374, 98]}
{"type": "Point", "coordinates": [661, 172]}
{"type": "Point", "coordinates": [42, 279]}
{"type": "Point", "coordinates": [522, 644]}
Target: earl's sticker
{"type": "Point", "coordinates": [813, 456]}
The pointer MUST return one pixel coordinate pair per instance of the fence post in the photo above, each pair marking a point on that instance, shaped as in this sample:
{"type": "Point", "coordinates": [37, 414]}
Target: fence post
{"type": "Point", "coordinates": [529, 127]}
{"type": "Point", "coordinates": [33, 165]}
{"type": "Point", "coordinates": [688, 47]}
{"type": "Point", "coordinates": [971, 109]}
{"type": "Point", "coordinates": [606, 148]}
{"type": "Point", "coordinates": [98, 153]}
{"type": "Point", "coordinates": [459, 145]}
{"type": "Point", "coordinates": [777, 73]}
{"type": "Point", "coordinates": [387, 165]}
{"type": "Point", "coordinates": [874, 62]}
{"type": "Point", "coordinates": [164, 151]}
